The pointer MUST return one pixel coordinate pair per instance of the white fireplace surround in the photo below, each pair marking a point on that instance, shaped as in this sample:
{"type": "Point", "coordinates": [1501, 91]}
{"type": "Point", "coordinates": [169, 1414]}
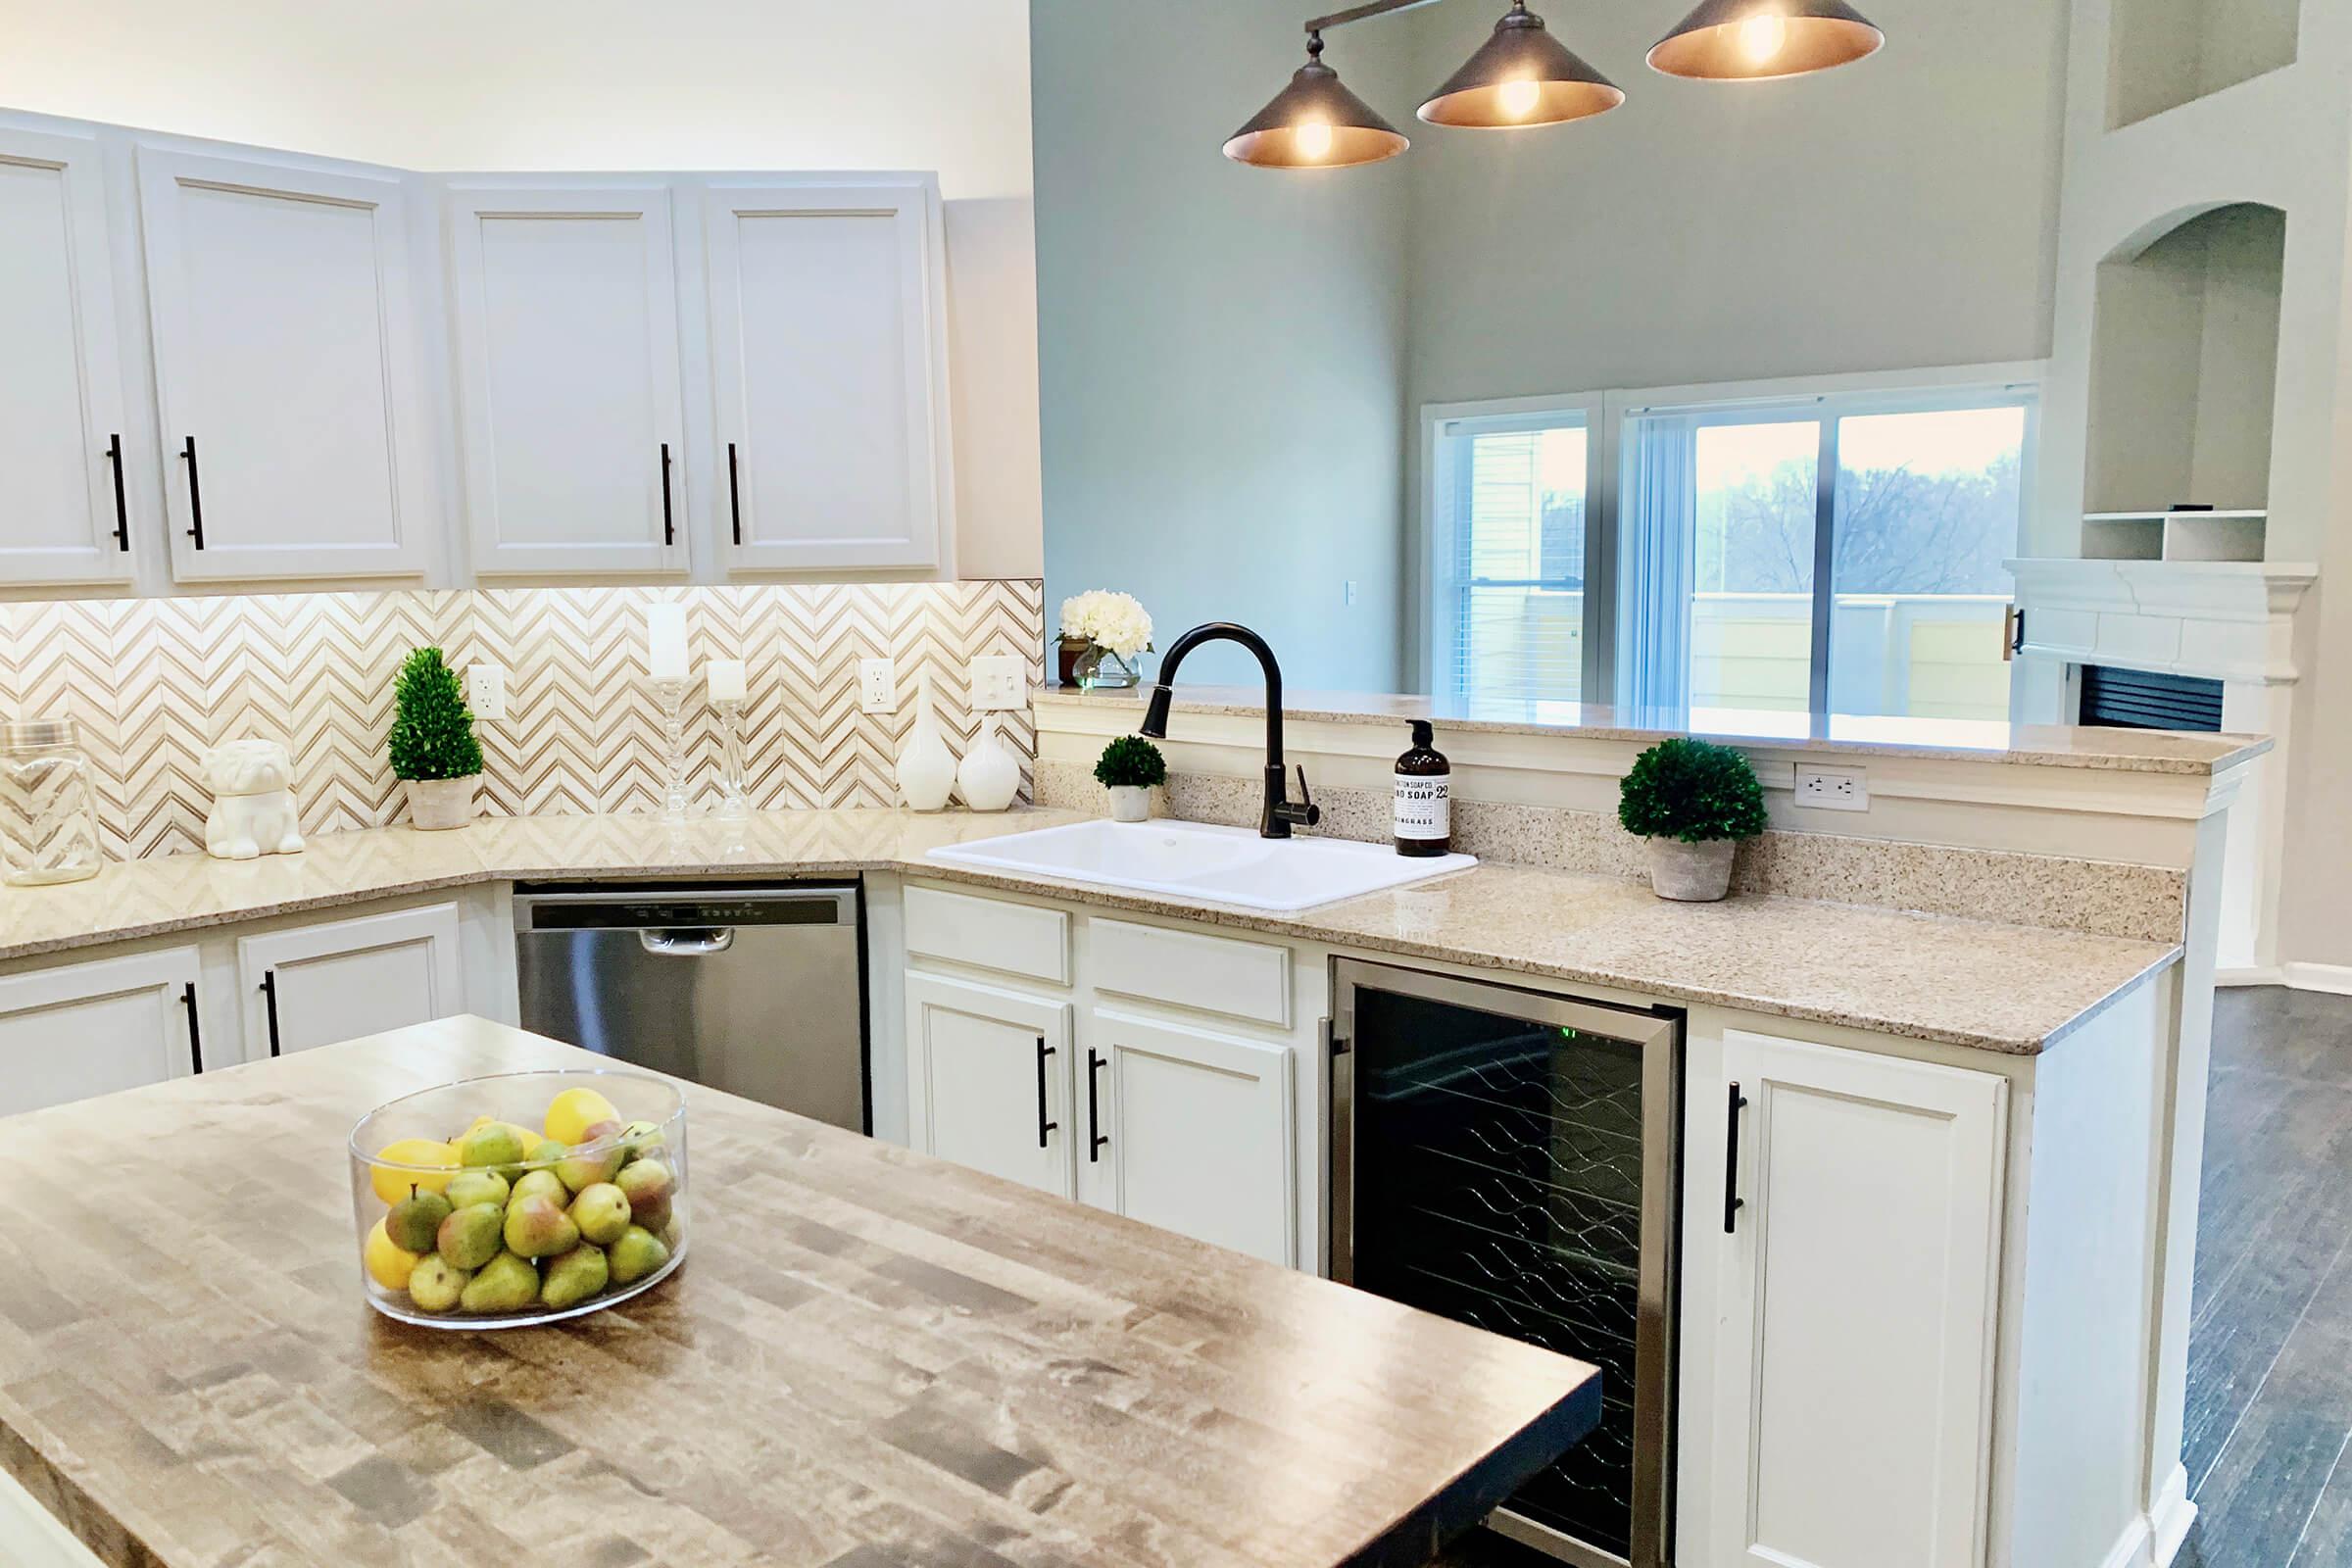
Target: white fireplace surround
{"type": "Point", "coordinates": [2233, 621]}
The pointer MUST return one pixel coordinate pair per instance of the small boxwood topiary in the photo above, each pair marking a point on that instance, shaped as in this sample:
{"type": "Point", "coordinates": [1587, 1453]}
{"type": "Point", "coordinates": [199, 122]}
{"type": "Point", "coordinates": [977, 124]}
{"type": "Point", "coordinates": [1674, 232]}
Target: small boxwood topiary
{"type": "Point", "coordinates": [433, 728]}
{"type": "Point", "coordinates": [1693, 791]}
{"type": "Point", "coordinates": [1131, 760]}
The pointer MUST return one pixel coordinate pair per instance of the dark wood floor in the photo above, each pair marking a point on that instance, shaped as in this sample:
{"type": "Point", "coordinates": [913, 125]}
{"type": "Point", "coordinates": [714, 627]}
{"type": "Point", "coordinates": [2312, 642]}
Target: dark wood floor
{"type": "Point", "coordinates": [2270, 1369]}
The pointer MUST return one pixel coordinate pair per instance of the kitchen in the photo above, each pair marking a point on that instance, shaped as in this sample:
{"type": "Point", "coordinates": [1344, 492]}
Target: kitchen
{"type": "Point", "coordinates": [746, 754]}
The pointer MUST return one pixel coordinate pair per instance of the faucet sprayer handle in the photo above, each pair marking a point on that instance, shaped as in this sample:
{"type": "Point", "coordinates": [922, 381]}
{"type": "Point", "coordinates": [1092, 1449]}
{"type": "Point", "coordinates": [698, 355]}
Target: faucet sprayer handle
{"type": "Point", "coordinates": [1310, 813]}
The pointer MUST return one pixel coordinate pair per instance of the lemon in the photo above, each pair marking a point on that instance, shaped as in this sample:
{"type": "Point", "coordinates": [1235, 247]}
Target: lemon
{"type": "Point", "coordinates": [387, 1264]}
{"type": "Point", "coordinates": [393, 1185]}
{"type": "Point", "coordinates": [574, 1111]}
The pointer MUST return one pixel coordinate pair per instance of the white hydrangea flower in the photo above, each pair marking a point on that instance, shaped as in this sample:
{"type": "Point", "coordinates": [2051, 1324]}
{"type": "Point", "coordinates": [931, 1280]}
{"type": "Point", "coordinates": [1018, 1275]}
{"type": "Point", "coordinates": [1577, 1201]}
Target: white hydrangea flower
{"type": "Point", "coordinates": [1116, 621]}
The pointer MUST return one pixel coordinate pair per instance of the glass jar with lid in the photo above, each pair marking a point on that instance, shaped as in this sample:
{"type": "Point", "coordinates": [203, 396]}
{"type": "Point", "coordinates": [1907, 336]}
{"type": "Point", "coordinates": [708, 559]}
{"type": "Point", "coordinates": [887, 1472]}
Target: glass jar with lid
{"type": "Point", "coordinates": [48, 811]}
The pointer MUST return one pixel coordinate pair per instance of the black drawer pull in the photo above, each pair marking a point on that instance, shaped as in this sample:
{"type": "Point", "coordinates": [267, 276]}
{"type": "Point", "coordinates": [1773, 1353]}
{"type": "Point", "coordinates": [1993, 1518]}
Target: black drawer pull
{"type": "Point", "coordinates": [187, 999]}
{"type": "Point", "coordinates": [669, 528]}
{"type": "Point", "coordinates": [1096, 1138]}
{"type": "Point", "coordinates": [270, 1005]}
{"type": "Point", "coordinates": [1042, 1126]}
{"type": "Point", "coordinates": [113, 454]}
{"type": "Point", "coordinates": [734, 494]}
{"type": "Point", "coordinates": [187, 453]}
{"type": "Point", "coordinates": [1731, 1201]}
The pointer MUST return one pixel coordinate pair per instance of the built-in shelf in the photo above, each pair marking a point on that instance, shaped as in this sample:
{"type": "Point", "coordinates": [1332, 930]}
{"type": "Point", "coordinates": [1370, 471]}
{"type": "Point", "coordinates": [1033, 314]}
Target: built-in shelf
{"type": "Point", "coordinates": [2175, 535]}
{"type": "Point", "coordinates": [2166, 53]}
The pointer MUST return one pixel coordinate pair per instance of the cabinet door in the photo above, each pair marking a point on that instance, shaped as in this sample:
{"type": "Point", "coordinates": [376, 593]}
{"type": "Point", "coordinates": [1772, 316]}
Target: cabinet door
{"type": "Point", "coordinates": [1853, 1326]}
{"type": "Point", "coordinates": [1188, 1130]}
{"type": "Point", "coordinates": [319, 985]}
{"type": "Point", "coordinates": [286, 369]}
{"type": "Point", "coordinates": [85, 1029]}
{"type": "Point", "coordinates": [568, 376]}
{"type": "Point", "coordinates": [828, 349]}
{"type": "Point", "coordinates": [62, 516]}
{"type": "Point", "coordinates": [989, 1079]}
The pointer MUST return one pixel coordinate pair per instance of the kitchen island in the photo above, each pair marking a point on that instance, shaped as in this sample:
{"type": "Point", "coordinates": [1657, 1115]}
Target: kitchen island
{"type": "Point", "coordinates": [871, 1357]}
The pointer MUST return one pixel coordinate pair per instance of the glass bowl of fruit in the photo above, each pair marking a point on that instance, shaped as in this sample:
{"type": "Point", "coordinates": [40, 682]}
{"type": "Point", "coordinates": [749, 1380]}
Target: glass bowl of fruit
{"type": "Point", "coordinates": [521, 1198]}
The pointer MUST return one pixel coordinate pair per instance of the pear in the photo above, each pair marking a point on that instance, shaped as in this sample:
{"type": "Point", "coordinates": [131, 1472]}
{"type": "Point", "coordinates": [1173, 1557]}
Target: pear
{"type": "Point", "coordinates": [597, 1157]}
{"type": "Point", "coordinates": [541, 1184]}
{"type": "Point", "coordinates": [537, 1227]}
{"type": "Point", "coordinates": [506, 1283]}
{"type": "Point", "coordinates": [648, 1186]}
{"type": "Point", "coordinates": [414, 1220]}
{"type": "Point", "coordinates": [575, 1275]}
{"type": "Point", "coordinates": [545, 1154]}
{"type": "Point", "coordinates": [469, 1237]}
{"type": "Point", "coordinates": [494, 1145]}
{"type": "Point", "coordinates": [642, 1137]}
{"type": "Point", "coordinates": [437, 1284]}
{"type": "Point", "coordinates": [472, 1187]}
{"type": "Point", "coordinates": [602, 1213]}
{"type": "Point", "coordinates": [637, 1254]}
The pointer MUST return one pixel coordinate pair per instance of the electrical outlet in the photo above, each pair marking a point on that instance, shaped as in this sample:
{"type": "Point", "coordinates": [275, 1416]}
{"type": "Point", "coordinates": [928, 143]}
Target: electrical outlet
{"type": "Point", "coordinates": [877, 686]}
{"type": "Point", "coordinates": [486, 692]}
{"type": "Point", "coordinates": [1833, 788]}
{"type": "Point", "coordinates": [997, 683]}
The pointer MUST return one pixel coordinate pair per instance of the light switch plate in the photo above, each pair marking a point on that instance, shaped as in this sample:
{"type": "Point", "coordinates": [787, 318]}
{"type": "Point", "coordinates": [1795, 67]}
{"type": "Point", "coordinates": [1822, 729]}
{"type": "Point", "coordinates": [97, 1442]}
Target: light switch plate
{"type": "Point", "coordinates": [486, 692]}
{"type": "Point", "coordinates": [877, 686]}
{"type": "Point", "coordinates": [997, 683]}
{"type": "Point", "coordinates": [1833, 788]}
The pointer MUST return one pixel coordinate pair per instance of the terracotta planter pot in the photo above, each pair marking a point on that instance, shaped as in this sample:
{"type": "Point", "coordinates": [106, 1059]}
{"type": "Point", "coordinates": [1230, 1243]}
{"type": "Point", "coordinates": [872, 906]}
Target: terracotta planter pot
{"type": "Point", "coordinates": [1691, 873]}
{"type": "Point", "coordinates": [1130, 803]}
{"type": "Point", "coordinates": [436, 803]}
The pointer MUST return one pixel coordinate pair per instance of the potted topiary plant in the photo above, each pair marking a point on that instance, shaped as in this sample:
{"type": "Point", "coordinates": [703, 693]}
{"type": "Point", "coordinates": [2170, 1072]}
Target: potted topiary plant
{"type": "Point", "coordinates": [1129, 768]}
{"type": "Point", "coordinates": [432, 743]}
{"type": "Point", "coordinates": [1694, 802]}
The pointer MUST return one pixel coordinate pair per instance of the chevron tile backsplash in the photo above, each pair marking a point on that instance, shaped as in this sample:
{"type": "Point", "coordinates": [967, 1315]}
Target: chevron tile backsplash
{"type": "Point", "coordinates": [154, 682]}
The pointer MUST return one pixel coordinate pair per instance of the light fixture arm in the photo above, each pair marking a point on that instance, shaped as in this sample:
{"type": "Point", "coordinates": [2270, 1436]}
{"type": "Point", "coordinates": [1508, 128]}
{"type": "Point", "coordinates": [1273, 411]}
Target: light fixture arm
{"type": "Point", "coordinates": [1375, 7]}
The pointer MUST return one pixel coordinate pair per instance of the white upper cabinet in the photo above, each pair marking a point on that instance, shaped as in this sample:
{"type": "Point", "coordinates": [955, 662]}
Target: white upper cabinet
{"type": "Point", "coordinates": [286, 355]}
{"type": "Point", "coordinates": [571, 413]}
{"type": "Point", "coordinates": [829, 365]}
{"type": "Point", "coordinates": [62, 514]}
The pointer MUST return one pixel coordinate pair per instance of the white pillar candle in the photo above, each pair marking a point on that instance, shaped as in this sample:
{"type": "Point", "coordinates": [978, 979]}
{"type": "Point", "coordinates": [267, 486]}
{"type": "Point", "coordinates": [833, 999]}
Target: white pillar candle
{"type": "Point", "coordinates": [665, 640]}
{"type": "Point", "coordinates": [726, 680]}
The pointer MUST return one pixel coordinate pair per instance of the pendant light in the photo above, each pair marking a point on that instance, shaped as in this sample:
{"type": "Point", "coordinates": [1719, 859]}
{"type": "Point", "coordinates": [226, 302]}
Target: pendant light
{"type": "Point", "coordinates": [1521, 75]}
{"type": "Point", "coordinates": [1315, 123]}
{"type": "Point", "coordinates": [1757, 41]}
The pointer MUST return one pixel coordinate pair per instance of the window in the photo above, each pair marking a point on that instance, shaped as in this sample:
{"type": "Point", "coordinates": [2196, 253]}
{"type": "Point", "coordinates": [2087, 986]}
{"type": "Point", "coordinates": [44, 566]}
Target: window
{"type": "Point", "coordinates": [1512, 610]}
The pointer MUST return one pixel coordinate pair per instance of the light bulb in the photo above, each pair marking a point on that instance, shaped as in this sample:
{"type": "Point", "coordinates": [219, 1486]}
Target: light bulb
{"type": "Point", "coordinates": [1761, 37]}
{"type": "Point", "coordinates": [1314, 140]}
{"type": "Point", "coordinates": [1518, 98]}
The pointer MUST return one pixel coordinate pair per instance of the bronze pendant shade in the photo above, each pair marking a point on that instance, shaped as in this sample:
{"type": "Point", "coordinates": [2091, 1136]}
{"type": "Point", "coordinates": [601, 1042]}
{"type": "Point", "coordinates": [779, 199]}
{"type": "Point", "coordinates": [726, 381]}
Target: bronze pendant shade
{"type": "Point", "coordinates": [1315, 123]}
{"type": "Point", "coordinates": [1758, 40]}
{"type": "Point", "coordinates": [1521, 75]}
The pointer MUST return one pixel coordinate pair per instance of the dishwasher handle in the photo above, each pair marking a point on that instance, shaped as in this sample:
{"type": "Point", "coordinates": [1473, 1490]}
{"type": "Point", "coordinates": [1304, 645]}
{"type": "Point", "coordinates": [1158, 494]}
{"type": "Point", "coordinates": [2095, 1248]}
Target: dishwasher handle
{"type": "Point", "coordinates": [692, 943]}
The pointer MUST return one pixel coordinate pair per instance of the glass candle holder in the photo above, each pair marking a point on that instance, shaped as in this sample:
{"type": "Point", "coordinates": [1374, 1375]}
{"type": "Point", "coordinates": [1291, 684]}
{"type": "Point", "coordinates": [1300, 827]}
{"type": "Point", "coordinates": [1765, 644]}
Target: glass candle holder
{"type": "Point", "coordinates": [670, 693]}
{"type": "Point", "coordinates": [734, 794]}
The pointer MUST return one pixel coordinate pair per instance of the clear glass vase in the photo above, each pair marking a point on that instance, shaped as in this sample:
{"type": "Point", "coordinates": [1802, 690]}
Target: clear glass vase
{"type": "Point", "coordinates": [1101, 669]}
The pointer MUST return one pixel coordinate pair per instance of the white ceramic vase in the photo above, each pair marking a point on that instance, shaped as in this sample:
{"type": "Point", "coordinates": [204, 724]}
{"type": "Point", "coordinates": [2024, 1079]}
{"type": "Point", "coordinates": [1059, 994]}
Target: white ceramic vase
{"type": "Point", "coordinates": [1131, 803]}
{"type": "Point", "coordinates": [435, 803]}
{"type": "Point", "coordinates": [1691, 873]}
{"type": "Point", "coordinates": [926, 768]}
{"type": "Point", "coordinates": [990, 776]}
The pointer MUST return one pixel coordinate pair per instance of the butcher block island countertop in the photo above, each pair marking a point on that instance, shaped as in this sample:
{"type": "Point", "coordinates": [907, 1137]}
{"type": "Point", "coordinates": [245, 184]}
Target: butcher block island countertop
{"type": "Point", "coordinates": [870, 1359]}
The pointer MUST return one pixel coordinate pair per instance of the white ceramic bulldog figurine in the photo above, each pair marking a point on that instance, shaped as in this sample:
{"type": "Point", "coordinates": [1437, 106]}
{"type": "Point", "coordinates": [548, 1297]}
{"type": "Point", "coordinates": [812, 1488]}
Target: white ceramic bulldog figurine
{"type": "Point", "coordinates": [253, 808]}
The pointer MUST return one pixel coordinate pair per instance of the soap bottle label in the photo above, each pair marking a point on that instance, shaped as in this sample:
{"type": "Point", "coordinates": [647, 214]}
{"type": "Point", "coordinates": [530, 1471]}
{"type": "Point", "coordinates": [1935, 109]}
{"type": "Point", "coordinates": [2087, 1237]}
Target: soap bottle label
{"type": "Point", "coordinates": [1423, 808]}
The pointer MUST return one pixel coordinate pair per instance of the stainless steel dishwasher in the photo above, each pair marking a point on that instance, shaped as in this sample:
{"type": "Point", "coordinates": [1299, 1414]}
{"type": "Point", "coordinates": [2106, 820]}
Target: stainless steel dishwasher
{"type": "Point", "coordinates": [759, 990]}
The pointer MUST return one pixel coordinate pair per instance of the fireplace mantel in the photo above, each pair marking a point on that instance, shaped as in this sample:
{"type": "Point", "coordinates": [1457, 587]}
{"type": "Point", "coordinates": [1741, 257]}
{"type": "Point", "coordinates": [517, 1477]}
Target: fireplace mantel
{"type": "Point", "coordinates": [2228, 620]}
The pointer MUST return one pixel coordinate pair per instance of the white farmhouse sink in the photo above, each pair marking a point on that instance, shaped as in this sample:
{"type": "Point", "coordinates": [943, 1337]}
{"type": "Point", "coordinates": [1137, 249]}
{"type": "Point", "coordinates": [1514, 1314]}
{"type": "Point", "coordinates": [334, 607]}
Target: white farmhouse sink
{"type": "Point", "coordinates": [1196, 860]}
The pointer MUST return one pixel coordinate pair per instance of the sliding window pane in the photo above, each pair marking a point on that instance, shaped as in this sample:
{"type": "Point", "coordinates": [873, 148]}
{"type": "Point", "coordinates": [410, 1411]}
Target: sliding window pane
{"type": "Point", "coordinates": [1928, 508]}
{"type": "Point", "coordinates": [1519, 567]}
{"type": "Point", "coordinates": [1751, 593]}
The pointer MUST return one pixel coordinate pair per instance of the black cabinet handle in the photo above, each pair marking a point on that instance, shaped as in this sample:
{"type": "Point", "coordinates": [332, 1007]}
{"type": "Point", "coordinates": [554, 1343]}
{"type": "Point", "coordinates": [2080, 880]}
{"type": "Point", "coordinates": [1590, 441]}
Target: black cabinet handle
{"type": "Point", "coordinates": [270, 1003]}
{"type": "Point", "coordinates": [1042, 1126]}
{"type": "Point", "coordinates": [669, 528]}
{"type": "Point", "coordinates": [1095, 1138]}
{"type": "Point", "coordinates": [734, 494]}
{"type": "Point", "coordinates": [187, 453]}
{"type": "Point", "coordinates": [1732, 1201]}
{"type": "Point", "coordinates": [113, 454]}
{"type": "Point", "coordinates": [188, 999]}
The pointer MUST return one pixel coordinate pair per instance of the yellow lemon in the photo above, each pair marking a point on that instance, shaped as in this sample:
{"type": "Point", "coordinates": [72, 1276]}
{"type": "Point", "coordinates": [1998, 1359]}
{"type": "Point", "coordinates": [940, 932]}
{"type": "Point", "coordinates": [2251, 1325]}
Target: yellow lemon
{"type": "Point", "coordinates": [574, 1111]}
{"type": "Point", "coordinates": [388, 1265]}
{"type": "Point", "coordinates": [393, 1185]}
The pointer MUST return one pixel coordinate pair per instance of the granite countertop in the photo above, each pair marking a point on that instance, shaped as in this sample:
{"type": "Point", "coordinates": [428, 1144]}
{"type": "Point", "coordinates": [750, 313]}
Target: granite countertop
{"type": "Point", "coordinates": [2125, 751]}
{"type": "Point", "coordinates": [2013, 989]}
{"type": "Point", "coordinates": [868, 1357]}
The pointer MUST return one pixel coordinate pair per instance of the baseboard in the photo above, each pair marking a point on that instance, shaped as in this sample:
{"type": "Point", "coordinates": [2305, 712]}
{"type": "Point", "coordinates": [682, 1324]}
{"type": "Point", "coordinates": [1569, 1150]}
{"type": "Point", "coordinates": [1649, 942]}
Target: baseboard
{"type": "Point", "coordinates": [2274, 975]}
{"type": "Point", "coordinates": [2131, 1549]}
{"type": "Point", "coordinates": [2333, 978]}
{"type": "Point", "coordinates": [2169, 1518]}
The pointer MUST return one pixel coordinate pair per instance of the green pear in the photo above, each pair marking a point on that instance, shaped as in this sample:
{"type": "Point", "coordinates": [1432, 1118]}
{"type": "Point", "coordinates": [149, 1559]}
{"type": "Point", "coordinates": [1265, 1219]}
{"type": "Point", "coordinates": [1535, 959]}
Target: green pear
{"type": "Point", "coordinates": [546, 1153]}
{"type": "Point", "coordinates": [541, 1184]}
{"type": "Point", "coordinates": [642, 1138]}
{"type": "Point", "coordinates": [415, 1219]}
{"type": "Point", "coordinates": [598, 1156]}
{"type": "Point", "coordinates": [575, 1275]}
{"type": "Point", "coordinates": [435, 1284]}
{"type": "Point", "coordinates": [469, 1237]}
{"type": "Point", "coordinates": [470, 1187]}
{"type": "Point", "coordinates": [537, 1227]}
{"type": "Point", "coordinates": [493, 1145]}
{"type": "Point", "coordinates": [602, 1213]}
{"type": "Point", "coordinates": [647, 1185]}
{"type": "Point", "coordinates": [637, 1254]}
{"type": "Point", "coordinates": [506, 1283]}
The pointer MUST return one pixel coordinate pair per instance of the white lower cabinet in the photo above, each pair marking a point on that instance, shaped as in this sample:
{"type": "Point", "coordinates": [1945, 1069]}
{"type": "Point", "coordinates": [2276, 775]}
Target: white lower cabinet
{"type": "Point", "coordinates": [989, 1078]}
{"type": "Point", "coordinates": [316, 985]}
{"type": "Point", "coordinates": [1850, 1337]}
{"type": "Point", "coordinates": [1189, 1129]}
{"type": "Point", "coordinates": [83, 1029]}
